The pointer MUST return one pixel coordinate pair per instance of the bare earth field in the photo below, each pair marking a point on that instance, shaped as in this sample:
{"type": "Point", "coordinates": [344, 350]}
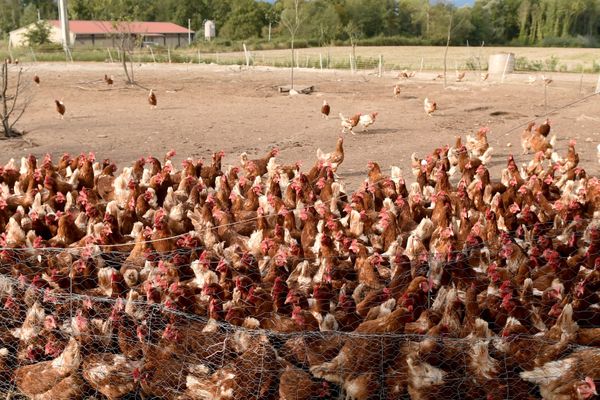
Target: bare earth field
{"type": "Point", "coordinates": [206, 108]}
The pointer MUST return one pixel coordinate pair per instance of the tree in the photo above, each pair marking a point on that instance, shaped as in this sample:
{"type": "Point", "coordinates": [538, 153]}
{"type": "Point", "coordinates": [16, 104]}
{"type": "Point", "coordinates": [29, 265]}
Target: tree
{"type": "Point", "coordinates": [322, 21]}
{"type": "Point", "coordinates": [368, 15]}
{"type": "Point", "coordinates": [10, 13]}
{"type": "Point", "coordinates": [272, 17]}
{"type": "Point", "coordinates": [292, 19]}
{"type": "Point", "coordinates": [38, 34]}
{"type": "Point", "coordinates": [245, 20]}
{"type": "Point", "coordinates": [29, 16]}
{"type": "Point", "coordinates": [126, 42]}
{"type": "Point", "coordinates": [12, 102]}
{"type": "Point", "coordinates": [354, 32]}
{"type": "Point", "coordinates": [80, 9]}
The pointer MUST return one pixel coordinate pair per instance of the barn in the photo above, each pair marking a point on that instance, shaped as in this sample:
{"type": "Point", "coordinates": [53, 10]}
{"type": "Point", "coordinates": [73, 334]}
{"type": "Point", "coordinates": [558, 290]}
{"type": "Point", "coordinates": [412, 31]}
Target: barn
{"type": "Point", "coordinates": [104, 33]}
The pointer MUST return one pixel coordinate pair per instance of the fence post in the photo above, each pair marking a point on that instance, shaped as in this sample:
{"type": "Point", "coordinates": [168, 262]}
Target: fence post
{"type": "Point", "coordinates": [321, 61]}
{"type": "Point", "coordinates": [581, 81]}
{"type": "Point", "coordinates": [68, 54]}
{"type": "Point", "coordinates": [246, 55]}
{"type": "Point", "coordinates": [504, 70]}
{"type": "Point", "coordinates": [306, 66]}
{"type": "Point", "coordinates": [351, 64]}
{"type": "Point", "coordinates": [169, 54]}
{"type": "Point", "coordinates": [421, 68]}
{"type": "Point", "coordinates": [118, 54]}
{"type": "Point", "coordinates": [380, 70]}
{"type": "Point", "coordinates": [110, 55]}
{"type": "Point", "coordinates": [152, 52]}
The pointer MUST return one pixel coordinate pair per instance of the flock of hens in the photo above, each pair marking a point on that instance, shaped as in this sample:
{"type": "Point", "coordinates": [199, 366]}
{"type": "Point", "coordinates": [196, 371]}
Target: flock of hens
{"type": "Point", "coordinates": [263, 281]}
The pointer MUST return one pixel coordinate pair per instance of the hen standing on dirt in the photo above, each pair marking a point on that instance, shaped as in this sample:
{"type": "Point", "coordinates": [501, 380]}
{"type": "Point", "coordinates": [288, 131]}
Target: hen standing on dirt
{"type": "Point", "coordinates": [152, 99]}
{"type": "Point", "coordinates": [325, 109]}
{"type": "Point", "coordinates": [429, 106]}
{"type": "Point", "coordinates": [60, 108]}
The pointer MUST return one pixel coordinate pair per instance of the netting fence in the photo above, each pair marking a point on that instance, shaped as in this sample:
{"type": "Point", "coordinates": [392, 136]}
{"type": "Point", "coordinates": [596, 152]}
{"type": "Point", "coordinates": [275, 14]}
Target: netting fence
{"type": "Point", "coordinates": [163, 288]}
{"type": "Point", "coordinates": [371, 60]}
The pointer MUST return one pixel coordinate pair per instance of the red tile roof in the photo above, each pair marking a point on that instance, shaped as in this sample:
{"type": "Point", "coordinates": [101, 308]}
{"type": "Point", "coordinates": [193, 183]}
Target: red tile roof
{"type": "Point", "coordinates": [107, 27]}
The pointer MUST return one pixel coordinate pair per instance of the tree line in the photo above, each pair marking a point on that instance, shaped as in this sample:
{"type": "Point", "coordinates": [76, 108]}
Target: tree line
{"type": "Point", "coordinates": [526, 22]}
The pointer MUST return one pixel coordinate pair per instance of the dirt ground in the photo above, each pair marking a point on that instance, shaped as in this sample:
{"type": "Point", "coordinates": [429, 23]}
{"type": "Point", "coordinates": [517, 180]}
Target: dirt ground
{"type": "Point", "coordinates": [206, 108]}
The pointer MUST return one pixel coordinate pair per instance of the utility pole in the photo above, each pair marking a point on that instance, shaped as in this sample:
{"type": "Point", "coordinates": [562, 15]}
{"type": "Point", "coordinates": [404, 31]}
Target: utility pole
{"type": "Point", "coordinates": [64, 23]}
{"type": "Point", "coordinates": [189, 31]}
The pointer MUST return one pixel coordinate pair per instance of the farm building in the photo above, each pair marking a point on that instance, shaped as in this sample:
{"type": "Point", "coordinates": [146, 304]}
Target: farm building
{"type": "Point", "coordinates": [102, 33]}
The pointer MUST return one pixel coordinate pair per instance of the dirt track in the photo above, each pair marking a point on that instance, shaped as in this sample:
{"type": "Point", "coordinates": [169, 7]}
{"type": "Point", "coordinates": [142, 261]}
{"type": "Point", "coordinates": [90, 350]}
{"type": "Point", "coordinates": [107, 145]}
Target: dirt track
{"type": "Point", "coordinates": [202, 109]}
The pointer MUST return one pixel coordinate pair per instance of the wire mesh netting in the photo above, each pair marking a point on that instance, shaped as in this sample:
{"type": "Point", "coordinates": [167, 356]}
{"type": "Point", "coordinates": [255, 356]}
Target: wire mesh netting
{"type": "Point", "coordinates": [265, 282]}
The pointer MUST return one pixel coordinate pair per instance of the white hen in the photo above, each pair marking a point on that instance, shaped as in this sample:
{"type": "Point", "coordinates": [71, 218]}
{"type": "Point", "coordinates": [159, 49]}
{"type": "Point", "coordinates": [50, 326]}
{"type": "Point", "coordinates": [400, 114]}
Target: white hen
{"type": "Point", "coordinates": [367, 120]}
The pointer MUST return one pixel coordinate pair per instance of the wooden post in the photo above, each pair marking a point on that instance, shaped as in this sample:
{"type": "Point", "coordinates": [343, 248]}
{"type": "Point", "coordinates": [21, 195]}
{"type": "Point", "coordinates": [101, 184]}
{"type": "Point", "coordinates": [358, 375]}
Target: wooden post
{"type": "Point", "coordinates": [479, 59]}
{"type": "Point", "coordinates": [169, 54]}
{"type": "Point", "coordinates": [421, 68]}
{"type": "Point", "coordinates": [581, 81]}
{"type": "Point", "coordinates": [68, 53]}
{"type": "Point", "coordinates": [152, 52]}
{"type": "Point", "coordinates": [306, 61]}
{"type": "Point", "coordinates": [380, 69]}
{"type": "Point", "coordinates": [446, 51]}
{"type": "Point", "coordinates": [246, 55]}
{"type": "Point", "coordinates": [118, 54]}
{"type": "Point", "coordinates": [321, 61]}
{"type": "Point", "coordinates": [505, 66]}
{"type": "Point", "coordinates": [110, 55]}
{"type": "Point", "coordinates": [351, 63]}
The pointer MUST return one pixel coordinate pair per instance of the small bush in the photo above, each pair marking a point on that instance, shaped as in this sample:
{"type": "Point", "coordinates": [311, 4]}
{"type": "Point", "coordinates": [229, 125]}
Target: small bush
{"type": "Point", "coordinates": [38, 34]}
{"type": "Point", "coordinates": [551, 63]}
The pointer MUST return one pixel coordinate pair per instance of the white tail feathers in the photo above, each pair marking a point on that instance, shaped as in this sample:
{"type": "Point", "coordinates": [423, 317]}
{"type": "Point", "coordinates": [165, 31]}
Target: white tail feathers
{"type": "Point", "coordinates": [254, 242]}
{"type": "Point", "coordinates": [548, 372]}
{"type": "Point", "coordinates": [487, 156]}
{"type": "Point", "coordinates": [424, 229]}
{"type": "Point", "coordinates": [320, 155]}
{"type": "Point", "coordinates": [553, 141]}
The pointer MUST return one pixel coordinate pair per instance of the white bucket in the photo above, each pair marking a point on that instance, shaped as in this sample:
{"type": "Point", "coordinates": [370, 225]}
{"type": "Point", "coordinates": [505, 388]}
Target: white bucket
{"type": "Point", "coordinates": [502, 63]}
